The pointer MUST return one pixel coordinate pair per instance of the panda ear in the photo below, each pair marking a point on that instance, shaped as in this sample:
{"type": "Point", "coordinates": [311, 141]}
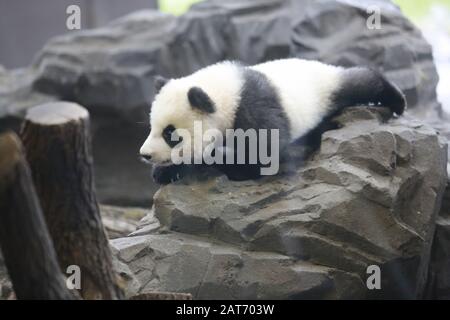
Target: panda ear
{"type": "Point", "coordinates": [159, 82]}
{"type": "Point", "coordinates": [199, 99]}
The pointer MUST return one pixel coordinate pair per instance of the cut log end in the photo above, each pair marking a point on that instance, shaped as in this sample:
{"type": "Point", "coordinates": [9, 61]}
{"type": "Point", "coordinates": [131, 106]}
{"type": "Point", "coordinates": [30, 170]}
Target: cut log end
{"type": "Point", "coordinates": [56, 113]}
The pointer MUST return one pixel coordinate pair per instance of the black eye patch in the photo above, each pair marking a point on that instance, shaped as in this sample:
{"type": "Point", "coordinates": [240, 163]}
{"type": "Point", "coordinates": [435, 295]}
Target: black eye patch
{"type": "Point", "coordinates": [171, 138]}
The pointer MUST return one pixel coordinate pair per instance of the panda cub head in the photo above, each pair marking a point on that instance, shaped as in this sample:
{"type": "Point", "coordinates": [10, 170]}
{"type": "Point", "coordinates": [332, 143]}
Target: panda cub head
{"type": "Point", "coordinates": [206, 99]}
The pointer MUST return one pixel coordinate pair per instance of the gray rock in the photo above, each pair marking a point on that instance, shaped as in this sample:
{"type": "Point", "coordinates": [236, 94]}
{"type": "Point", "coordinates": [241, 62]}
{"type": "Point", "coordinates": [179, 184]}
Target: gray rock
{"type": "Point", "coordinates": [121, 221]}
{"type": "Point", "coordinates": [127, 279]}
{"type": "Point", "coordinates": [16, 96]}
{"type": "Point", "coordinates": [336, 32]}
{"type": "Point", "coordinates": [107, 68]}
{"type": "Point", "coordinates": [113, 67]}
{"type": "Point", "coordinates": [438, 286]}
{"type": "Point", "coordinates": [208, 270]}
{"type": "Point", "coordinates": [6, 288]}
{"type": "Point", "coordinates": [369, 197]}
{"type": "Point", "coordinates": [110, 70]}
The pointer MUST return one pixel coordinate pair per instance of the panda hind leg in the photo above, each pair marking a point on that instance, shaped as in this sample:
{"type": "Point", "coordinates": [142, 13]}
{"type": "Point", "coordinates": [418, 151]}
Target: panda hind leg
{"type": "Point", "coordinates": [364, 86]}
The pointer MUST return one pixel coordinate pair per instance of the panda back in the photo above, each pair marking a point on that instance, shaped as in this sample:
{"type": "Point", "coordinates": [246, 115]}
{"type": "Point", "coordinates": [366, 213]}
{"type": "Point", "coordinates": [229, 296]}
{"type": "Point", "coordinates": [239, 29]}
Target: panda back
{"type": "Point", "coordinates": [305, 89]}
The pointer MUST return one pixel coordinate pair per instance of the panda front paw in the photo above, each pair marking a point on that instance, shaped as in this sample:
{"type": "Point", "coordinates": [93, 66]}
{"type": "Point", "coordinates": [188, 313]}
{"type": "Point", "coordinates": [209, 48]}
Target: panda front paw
{"type": "Point", "coordinates": [241, 172]}
{"type": "Point", "coordinates": [167, 174]}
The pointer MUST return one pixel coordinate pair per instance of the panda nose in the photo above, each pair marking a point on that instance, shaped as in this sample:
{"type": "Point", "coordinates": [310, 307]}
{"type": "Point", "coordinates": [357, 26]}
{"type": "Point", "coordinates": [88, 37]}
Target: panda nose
{"type": "Point", "coordinates": [146, 157]}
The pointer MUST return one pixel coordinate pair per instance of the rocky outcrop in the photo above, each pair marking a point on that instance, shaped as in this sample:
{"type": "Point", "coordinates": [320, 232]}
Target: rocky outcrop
{"type": "Point", "coordinates": [16, 96]}
{"type": "Point", "coordinates": [113, 67]}
{"type": "Point", "coordinates": [120, 221]}
{"type": "Point", "coordinates": [370, 196]}
{"type": "Point", "coordinates": [6, 290]}
{"type": "Point", "coordinates": [439, 276]}
{"type": "Point", "coordinates": [438, 286]}
{"type": "Point", "coordinates": [110, 70]}
{"type": "Point", "coordinates": [342, 32]}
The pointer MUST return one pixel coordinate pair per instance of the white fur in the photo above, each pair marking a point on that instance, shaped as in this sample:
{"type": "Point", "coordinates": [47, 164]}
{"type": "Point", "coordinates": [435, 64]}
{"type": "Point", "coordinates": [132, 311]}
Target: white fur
{"type": "Point", "coordinates": [222, 82]}
{"type": "Point", "coordinates": [305, 88]}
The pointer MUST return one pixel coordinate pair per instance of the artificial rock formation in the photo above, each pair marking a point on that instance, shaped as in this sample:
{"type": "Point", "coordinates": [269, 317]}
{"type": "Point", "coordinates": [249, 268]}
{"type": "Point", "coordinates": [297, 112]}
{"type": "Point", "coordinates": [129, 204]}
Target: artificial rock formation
{"type": "Point", "coordinates": [113, 67]}
{"type": "Point", "coordinates": [110, 70]}
{"type": "Point", "coordinates": [370, 196]}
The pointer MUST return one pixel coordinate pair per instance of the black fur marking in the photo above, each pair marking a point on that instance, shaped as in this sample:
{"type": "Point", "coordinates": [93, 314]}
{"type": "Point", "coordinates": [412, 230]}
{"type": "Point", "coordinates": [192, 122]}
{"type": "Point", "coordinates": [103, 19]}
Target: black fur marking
{"type": "Point", "coordinates": [170, 136]}
{"type": "Point", "coordinates": [199, 99]}
{"type": "Point", "coordinates": [159, 82]}
{"type": "Point", "coordinates": [361, 86]}
{"type": "Point", "coordinates": [259, 108]}
{"type": "Point", "coordinates": [169, 173]}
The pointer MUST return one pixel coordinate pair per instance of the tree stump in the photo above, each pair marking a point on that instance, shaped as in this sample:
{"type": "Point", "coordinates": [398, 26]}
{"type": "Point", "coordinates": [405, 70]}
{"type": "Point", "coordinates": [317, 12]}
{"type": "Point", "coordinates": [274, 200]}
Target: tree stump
{"type": "Point", "coordinates": [24, 239]}
{"type": "Point", "coordinates": [58, 149]}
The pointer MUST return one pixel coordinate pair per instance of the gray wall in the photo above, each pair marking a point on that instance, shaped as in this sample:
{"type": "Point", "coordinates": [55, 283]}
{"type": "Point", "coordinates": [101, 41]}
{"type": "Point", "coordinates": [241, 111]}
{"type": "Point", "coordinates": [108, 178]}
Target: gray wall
{"type": "Point", "coordinates": [25, 25]}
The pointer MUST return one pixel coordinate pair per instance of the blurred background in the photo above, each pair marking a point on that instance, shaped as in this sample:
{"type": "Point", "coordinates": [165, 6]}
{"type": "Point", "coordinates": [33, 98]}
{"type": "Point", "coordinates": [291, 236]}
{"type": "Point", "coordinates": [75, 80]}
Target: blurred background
{"type": "Point", "coordinates": [433, 18]}
{"type": "Point", "coordinates": [25, 26]}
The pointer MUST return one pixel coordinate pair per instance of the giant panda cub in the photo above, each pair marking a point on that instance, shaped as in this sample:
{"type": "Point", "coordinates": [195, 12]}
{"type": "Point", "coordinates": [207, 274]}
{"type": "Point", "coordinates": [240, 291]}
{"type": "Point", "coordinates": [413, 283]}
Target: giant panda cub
{"type": "Point", "coordinates": [297, 97]}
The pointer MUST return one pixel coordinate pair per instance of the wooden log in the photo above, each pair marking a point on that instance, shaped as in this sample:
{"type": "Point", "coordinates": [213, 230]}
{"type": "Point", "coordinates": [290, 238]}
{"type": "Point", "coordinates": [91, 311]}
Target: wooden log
{"type": "Point", "coordinates": [56, 138]}
{"type": "Point", "coordinates": [24, 239]}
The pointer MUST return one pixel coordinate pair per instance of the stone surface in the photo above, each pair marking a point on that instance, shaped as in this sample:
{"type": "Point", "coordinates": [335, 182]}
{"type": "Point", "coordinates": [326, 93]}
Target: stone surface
{"type": "Point", "coordinates": [438, 286]}
{"type": "Point", "coordinates": [16, 96]}
{"type": "Point", "coordinates": [110, 70]}
{"type": "Point", "coordinates": [118, 222]}
{"type": "Point", "coordinates": [439, 273]}
{"type": "Point", "coordinates": [369, 197]}
{"type": "Point", "coordinates": [113, 67]}
{"type": "Point", "coordinates": [121, 221]}
{"type": "Point", "coordinates": [337, 32]}
{"type": "Point", "coordinates": [6, 290]}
